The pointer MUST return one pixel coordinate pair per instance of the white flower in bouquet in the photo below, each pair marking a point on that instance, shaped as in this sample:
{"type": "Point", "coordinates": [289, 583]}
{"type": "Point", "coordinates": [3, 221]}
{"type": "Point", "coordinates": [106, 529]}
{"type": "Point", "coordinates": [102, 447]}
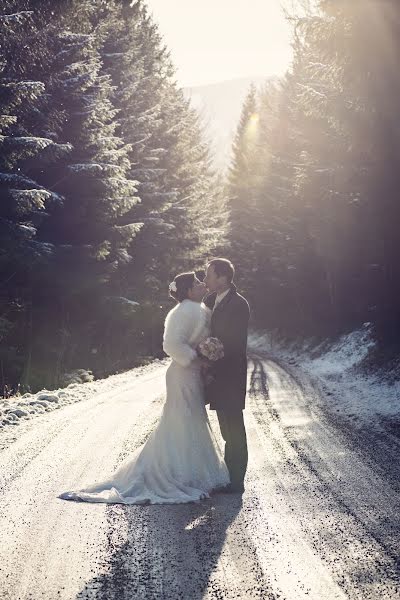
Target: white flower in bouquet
{"type": "Point", "coordinates": [211, 348]}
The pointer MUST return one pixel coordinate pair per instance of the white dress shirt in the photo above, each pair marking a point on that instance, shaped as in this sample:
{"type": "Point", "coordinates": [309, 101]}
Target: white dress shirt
{"type": "Point", "coordinates": [220, 297]}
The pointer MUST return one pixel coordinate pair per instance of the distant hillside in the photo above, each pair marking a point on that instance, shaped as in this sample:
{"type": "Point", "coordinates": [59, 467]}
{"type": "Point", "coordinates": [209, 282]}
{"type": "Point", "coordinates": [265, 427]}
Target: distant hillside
{"type": "Point", "coordinates": [220, 105]}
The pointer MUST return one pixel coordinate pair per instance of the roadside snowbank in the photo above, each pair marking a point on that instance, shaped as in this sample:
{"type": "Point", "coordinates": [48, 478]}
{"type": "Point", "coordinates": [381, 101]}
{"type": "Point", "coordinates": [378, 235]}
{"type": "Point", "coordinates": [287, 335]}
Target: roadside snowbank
{"type": "Point", "coordinates": [21, 408]}
{"type": "Point", "coordinates": [366, 399]}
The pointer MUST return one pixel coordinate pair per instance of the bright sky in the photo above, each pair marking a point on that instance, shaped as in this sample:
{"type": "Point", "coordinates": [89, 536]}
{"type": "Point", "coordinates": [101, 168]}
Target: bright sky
{"type": "Point", "coordinates": [216, 40]}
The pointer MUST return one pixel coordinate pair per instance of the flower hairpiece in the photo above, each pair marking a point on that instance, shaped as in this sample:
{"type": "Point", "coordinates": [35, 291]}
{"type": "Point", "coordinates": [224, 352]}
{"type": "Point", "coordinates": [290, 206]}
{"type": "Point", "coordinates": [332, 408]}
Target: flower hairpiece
{"type": "Point", "coordinates": [172, 287]}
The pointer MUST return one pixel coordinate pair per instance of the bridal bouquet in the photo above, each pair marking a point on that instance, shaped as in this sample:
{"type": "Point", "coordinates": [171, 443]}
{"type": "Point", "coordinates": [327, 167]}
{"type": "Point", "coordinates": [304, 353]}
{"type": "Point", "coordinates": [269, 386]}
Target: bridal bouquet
{"type": "Point", "coordinates": [211, 349]}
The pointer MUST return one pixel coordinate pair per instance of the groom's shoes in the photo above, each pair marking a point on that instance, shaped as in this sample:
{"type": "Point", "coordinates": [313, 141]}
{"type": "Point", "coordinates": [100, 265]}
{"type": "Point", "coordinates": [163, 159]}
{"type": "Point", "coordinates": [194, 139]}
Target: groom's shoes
{"type": "Point", "coordinates": [233, 489]}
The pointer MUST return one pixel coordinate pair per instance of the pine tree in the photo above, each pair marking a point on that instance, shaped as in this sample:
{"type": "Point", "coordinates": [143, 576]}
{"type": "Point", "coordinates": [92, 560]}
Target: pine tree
{"type": "Point", "coordinates": [350, 124]}
{"type": "Point", "coordinates": [26, 203]}
{"type": "Point", "coordinates": [122, 194]}
{"type": "Point", "coordinates": [92, 234]}
{"type": "Point", "coordinates": [242, 191]}
{"type": "Point", "coordinates": [181, 198]}
{"type": "Point", "coordinates": [329, 177]}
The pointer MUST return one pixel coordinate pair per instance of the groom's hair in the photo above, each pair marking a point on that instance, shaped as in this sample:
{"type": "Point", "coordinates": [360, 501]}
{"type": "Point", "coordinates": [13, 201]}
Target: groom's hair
{"type": "Point", "coordinates": [223, 267]}
{"type": "Point", "coordinates": [184, 282]}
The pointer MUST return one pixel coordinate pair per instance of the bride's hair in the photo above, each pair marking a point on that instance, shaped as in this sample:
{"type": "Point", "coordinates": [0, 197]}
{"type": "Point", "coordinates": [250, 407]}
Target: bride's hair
{"type": "Point", "coordinates": [184, 282]}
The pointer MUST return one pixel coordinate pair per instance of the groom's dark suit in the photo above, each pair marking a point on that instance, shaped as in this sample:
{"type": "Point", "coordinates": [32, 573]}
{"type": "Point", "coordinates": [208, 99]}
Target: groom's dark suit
{"type": "Point", "coordinates": [226, 394]}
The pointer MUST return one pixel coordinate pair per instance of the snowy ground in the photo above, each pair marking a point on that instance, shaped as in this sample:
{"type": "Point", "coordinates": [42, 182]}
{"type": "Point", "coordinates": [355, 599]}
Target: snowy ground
{"type": "Point", "coordinates": [366, 400]}
{"type": "Point", "coordinates": [18, 409]}
{"type": "Point", "coordinates": [334, 366]}
{"type": "Point", "coordinates": [319, 520]}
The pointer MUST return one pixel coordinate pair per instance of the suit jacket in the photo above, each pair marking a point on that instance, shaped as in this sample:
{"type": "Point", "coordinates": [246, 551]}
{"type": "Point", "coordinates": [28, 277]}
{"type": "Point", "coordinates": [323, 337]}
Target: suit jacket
{"type": "Point", "coordinates": [229, 323]}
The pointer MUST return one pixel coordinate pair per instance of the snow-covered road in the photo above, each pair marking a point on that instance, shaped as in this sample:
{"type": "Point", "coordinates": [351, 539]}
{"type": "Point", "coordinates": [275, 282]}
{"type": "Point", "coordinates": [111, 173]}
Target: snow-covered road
{"type": "Point", "coordinates": [320, 517]}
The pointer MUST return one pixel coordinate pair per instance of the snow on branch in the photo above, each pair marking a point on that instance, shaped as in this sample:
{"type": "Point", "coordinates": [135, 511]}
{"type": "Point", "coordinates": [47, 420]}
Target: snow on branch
{"type": "Point", "coordinates": [7, 120]}
{"type": "Point", "coordinates": [14, 179]}
{"type": "Point", "coordinates": [57, 150]}
{"type": "Point", "coordinates": [312, 90]}
{"type": "Point", "coordinates": [125, 232]}
{"type": "Point", "coordinates": [96, 169]}
{"type": "Point", "coordinates": [75, 38]}
{"type": "Point", "coordinates": [122, 301]}
{"type": "Point", "coordinates": [26, 85]}
{"type": "Point", "coordinates": [123, 256]}
{"type": "Point", "coordinates": [42, 248]}
{"type": "Point", "coordinates": [16, 18]}
{"type": "Point", "coordinates": [26, 200]}
{"type": "Point", "coordinates": [27, 230]}
{"type": "Point", "coordinates": [124, 186]}
{"type": "Point", "coordinates": [33, 199]}
{"type": "Point", "coordinates": [113, 54]}
{"type": "Point", "coordinates": [30, 141]}
{"type": "Point", "coordinates": [28, 188]}
{"type": "Point", "coordinates": [160, 224]}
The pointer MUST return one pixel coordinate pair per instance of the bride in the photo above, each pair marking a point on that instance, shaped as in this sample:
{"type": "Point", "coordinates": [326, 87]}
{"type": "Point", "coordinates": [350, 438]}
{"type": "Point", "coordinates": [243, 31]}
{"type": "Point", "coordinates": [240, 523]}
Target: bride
{"type": "Point", "coordinates": [181, 460]}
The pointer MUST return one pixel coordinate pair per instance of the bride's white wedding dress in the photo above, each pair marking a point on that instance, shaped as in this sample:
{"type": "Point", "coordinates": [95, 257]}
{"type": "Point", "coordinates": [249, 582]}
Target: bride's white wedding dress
{"type": "Point", "coordinates": [181, 460]}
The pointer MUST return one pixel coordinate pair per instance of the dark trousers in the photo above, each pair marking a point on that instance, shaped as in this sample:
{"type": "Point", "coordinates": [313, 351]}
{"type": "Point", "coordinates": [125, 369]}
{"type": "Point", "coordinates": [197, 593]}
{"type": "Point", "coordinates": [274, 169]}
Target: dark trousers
{"type": "Point", "coordinates": [234, 433]}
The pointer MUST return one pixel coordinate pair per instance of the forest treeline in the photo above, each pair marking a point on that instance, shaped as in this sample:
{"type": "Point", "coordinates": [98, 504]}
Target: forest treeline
{"type": "Point", "coordinates": [314, 183]}
{"type": "Point", "coordinates": [107, 188]}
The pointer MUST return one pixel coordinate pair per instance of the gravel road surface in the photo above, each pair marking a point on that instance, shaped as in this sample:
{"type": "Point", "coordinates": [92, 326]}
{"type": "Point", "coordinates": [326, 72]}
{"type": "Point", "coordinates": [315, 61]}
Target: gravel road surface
{"type": "Point", "coordinates": [320, 517]}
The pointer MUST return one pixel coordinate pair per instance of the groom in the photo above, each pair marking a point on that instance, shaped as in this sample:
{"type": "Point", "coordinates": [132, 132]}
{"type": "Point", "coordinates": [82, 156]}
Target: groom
{"type": "Point", "coordinates": [226, 393]}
